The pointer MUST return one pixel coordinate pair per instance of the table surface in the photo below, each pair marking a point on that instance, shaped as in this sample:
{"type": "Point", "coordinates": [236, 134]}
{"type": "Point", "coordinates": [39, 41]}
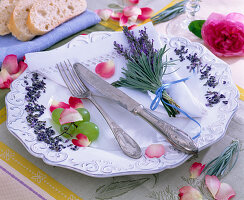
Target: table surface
{"type": "Point", "coordinates": [20, 171]}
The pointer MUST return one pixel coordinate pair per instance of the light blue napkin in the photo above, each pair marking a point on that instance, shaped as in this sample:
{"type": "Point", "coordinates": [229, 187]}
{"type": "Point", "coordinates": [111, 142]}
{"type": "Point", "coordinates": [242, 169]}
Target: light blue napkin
{"type": "Point", "coordinates": [10, 45]}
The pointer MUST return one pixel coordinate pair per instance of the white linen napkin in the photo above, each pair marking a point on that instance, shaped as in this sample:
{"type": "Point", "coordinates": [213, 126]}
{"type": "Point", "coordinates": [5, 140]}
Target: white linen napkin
{"type": "Point", "coordinates": [103, 50]}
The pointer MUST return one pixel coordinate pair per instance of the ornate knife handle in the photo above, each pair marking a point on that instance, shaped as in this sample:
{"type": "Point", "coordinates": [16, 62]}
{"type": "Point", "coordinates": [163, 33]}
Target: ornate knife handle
{"type": "Point", "coordinates": [179, 139]}
{"type": "Point", "coordinates": [126, 143]}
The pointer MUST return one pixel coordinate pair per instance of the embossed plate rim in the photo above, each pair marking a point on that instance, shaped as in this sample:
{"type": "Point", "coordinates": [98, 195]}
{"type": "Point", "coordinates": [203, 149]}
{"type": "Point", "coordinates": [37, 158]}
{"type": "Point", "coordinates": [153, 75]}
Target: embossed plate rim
{"type": "Point", "coordinates": [184, 157]}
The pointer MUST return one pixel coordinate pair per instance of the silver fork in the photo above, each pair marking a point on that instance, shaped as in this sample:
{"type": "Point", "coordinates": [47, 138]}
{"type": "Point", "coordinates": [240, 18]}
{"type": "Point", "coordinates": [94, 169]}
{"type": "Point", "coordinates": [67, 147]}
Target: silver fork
{"type": "Point", "coordinates": [78, 89]}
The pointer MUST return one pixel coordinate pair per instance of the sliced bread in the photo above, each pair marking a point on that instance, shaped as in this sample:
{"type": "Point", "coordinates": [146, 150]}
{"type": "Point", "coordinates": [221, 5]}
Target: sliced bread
{"type": "Point", "coordinates": [6, 9]}
{"type": "Point", "coordinates": [48, 14]}
{"type": "Point", "coordinates": [17, 23]}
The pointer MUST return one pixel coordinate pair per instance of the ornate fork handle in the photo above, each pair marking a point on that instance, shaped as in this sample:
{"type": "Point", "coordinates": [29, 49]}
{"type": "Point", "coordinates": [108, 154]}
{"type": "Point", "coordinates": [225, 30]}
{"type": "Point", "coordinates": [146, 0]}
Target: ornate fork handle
{"type": "Point", "coordinates": [126, 143]}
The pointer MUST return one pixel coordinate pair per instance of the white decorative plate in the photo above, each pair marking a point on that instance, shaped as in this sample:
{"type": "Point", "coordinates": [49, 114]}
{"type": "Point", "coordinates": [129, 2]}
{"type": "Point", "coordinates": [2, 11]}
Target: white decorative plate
{"type": "Point", "coordinates": [104, 158]}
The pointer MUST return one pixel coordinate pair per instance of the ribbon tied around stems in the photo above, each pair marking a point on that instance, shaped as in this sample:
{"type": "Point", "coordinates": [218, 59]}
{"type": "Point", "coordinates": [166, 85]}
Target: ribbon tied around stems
{"type": "Point", "coordinates": [158, 98]}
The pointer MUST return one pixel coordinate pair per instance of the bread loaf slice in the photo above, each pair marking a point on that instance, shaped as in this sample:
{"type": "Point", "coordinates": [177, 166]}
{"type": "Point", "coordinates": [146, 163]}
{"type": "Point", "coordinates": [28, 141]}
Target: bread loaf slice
{"type": "Point", "coordinates": [17, 23]}
{"type": "Point", "coordinates": [6, 9]}
{"type": "Point", "coordinates": [48, 14]}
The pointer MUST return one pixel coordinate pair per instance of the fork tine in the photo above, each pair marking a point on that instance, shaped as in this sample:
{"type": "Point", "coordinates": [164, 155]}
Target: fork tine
{"type": "Point", "coordinates": [66, 79]}
{"type": "Point", "coordinates": [82, 87]}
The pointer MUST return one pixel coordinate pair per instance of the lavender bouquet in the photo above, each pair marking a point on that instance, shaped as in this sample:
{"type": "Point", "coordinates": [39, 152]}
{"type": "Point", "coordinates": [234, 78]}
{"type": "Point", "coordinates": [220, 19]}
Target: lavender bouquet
{"type": "Point", "coordinates": [145, 67]}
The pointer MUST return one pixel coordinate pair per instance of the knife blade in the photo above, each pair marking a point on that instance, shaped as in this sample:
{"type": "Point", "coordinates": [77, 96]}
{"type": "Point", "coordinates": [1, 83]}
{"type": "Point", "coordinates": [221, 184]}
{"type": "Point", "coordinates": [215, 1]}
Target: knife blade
{"type": "Point", "coordinates": [178, 138]}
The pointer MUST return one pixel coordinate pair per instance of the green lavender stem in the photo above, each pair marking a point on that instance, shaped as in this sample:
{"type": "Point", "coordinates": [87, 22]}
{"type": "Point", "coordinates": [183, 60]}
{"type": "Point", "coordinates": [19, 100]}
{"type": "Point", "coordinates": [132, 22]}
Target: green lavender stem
{"type": "Point", "coordinates": [169, 13]}
{"type": "Point", "coordinates": [223, 164]}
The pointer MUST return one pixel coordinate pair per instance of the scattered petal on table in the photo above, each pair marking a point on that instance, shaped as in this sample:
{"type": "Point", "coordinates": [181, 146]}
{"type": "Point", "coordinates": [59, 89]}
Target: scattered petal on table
{"type": "Point", "coordinates": [56, 104]}
{"type": "Point", "coordinates": [10, 70]}
{"type": "Point", "coordinates": [225, 192]}
{"type": "Point", "coordinates": [189, 193]}
{"type": "Point", "coordinates": [82, 140]}
{"type": "Point", "coordinates": [196, 169]}
{"type": "Point", "coordinates": [5, 79]}
{"type": "Point", "coordinates": [155, 151]}
{"type": "Point", "coordinates": [132, 27]}
{"type": "Point", "coordinates": [213, 184]}
{"type": "Point", "coordinates": [116, 16]}
{"type": "Point", "coordinates": [105, 69]}
{"type": "Point", "coordinates": [10, 63]}
{"type": "Point", "coordinates": [146, 13]}
{"type": "Point", "coordinates": [133, 18]}
{"type": "Point", "coordinates": [134, 1]}
{"type": "Point", "coordinates": [104, 14]}
{"type": "Point", "coordinates": [75, 103]}
{"type": "Point", "coordinates": [123, 20]}
{"type": "Point", "coordinates": [22, 67]}
{"type": "Point", "coordinates": [131, 11]}
{"type": "Point", "coordinates": [69, 115]}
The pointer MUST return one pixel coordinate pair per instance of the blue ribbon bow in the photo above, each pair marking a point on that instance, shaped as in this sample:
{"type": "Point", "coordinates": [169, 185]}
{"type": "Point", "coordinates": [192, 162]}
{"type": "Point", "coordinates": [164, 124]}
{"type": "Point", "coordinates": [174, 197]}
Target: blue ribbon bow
{"type": "Point", "coordinates": [158, 98]}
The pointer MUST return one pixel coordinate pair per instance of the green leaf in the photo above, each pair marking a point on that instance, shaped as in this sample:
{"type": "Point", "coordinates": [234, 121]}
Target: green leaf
{"type": "Point", "coordinates": [196, 26]}
{"type": "Point", "coordinates": [118, 188]}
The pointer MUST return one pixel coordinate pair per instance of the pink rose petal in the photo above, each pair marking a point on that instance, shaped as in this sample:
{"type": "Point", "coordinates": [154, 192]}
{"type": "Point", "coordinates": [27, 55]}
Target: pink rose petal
{"type": "Point", "coordinates": [104, 14]}
{"type": "Point", "coordinates": [10, 63]}
{"type": "Point", "coordinates": [216, 16]}
{"type": "Point", "coordinates": [134, 1]}
{"type": "Point", "coordinates": [189, 193]}
{"type": "Point", "coordinates": [155, 151]}
{"type": "Point", "coordinates": [10, 70]}
{"type": "Point", "coordinates": [5, 79]}
{"type": "Point", "coordinates": [105, 69]}
{"type": "Point", "coordinates": [82, 140]}
{"type": "Point", "coordinates": [116, 16]}
{"type": "Point", "coordinates": [56, 104]}
{"type": "Point", "coordinates": [131, 11]}
{"type": "Point", "coordinates": [22, 67]}
{"type": "Point", "coordinates": [133, 18]}
{"type": "Point", "coordinates": [225, 192]}
{"type": "Point", "coordinates": [132, 27]}
{"type": "Point", "coordinates": [196, 169]}
{"type": "Point", "coordinates": [69, 115]}
{"type": "Point", "coordinates": [146, 13]}
{"type": "Point", "coordinates": [75, 103]}
{"type": "Point", "coordinates": [235, 17]}
{"type": "Point", "coordinates": [123, 20]}
{"type": "Point", "coordinates": [213, 184]}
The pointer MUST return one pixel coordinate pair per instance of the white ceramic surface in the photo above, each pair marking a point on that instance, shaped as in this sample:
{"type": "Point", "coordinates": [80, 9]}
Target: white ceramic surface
{"type": "Point", "coordinates": [104, 158]}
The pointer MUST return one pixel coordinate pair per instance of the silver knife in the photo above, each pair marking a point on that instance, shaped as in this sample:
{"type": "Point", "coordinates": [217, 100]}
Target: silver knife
{"type": "Point", "coordinates": [179, 139]}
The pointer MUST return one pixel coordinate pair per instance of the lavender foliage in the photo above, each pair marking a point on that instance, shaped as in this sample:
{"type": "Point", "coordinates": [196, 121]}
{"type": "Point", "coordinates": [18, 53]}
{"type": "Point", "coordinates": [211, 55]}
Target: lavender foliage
{"type": "Point", "coordinates": [146, 66]}
{"type": "Point", "coordinates": [137, 46]}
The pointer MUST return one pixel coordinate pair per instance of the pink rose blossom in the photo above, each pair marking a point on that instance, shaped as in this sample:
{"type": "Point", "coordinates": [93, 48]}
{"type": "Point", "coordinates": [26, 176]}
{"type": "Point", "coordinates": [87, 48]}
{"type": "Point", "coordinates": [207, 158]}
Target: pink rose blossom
{"type": "Point", "coordinates": [224, 34]}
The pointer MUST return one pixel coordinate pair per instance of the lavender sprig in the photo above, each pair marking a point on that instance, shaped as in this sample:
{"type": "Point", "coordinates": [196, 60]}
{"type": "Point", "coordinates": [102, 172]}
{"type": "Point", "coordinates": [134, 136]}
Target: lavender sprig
{"type": "Point", "coordinates": [223, 164]}
{"type": "Point", "coordinates": [145, 67]}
